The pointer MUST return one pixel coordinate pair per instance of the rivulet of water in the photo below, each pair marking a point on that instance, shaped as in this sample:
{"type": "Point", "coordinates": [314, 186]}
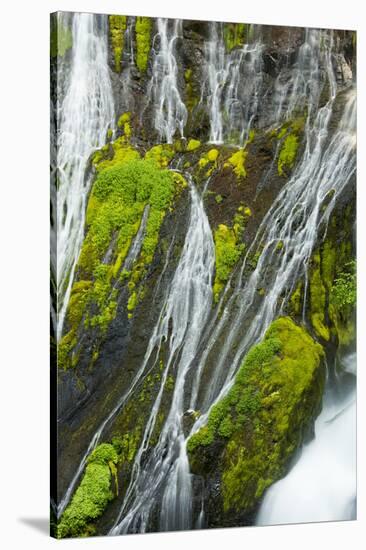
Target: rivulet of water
{"type": "Point", "coordinates": [83, 118]}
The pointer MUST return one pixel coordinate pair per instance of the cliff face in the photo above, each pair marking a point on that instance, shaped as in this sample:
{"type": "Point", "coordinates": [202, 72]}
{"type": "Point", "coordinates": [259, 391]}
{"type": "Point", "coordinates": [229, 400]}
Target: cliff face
{"type": "Point", "coordinates": [136, 222]}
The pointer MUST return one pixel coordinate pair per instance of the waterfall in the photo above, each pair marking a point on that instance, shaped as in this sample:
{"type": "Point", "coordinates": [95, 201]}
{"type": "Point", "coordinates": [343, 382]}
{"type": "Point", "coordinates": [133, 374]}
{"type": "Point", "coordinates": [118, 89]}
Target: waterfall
{"type": "Point", "coordinates": [180, 325]}
{"type": "Point", "coordinates": [303, 85]}
{"type": "Point", "coordinates": [322, 484]}
{"type": "Point", "coordinates": [233, 84]}
{"type": "Point", "coordinates": [83, 119]}
{"type": "Point", "coordinates": [192, 338]}
{"type": "Point", "coordinates": [170, 113]}
{"type": "Point", "coordinates": [294, 219]}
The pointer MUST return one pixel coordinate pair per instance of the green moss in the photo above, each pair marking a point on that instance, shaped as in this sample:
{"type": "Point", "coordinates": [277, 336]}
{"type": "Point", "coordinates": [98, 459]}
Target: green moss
{"type": "Point", "coordinates": [92, 495]}
{"type": "Point", "coordinates": [344, 291]}
{"type": "Point", "coordinates": [162, 154]}
{"type": "Point", "coordinates": [296, 299]}
{"type": "Point", "coordinates": [117, 28]}
{"type": "Point", "coordinates": [288, 153]}
{"type": "Point", "coordinates": [193, 144]}
{"type": "Point", "coordinates": [255, 428]}
{"type": "Point", "coordinates": [124, 122]}
{"type": "Point", "coordinates": [191, 97]}
{"type": "Point", "coordinates": [209, 158]}
{"type": "Point", "coordinates": [118, 151]}
{"type": "Point", "coordinates": [212, 155]}
{"type": "Point", "coordinates": [60, 38]}
{"type": "Point", "coordinates": [318, 300]}
{"type": "Point", "coordinates": [143, 40]}
{"type": "Point", "coordinates": [116, 204]}
{"type": "Point", "coordinates": [227, 253]}
{"type": "Point", "coordinates": [237, 161]}
{"type": "Point", "coordinates": [342, 302]}
{"type": "Point", "coordinates": [218, 199]}
{"type": "Point", "coordinates": [235, 35]}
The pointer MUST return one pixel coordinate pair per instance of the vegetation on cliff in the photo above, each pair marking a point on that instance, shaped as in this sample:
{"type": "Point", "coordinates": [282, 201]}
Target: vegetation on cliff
{"type": "Point", "coordinates": [257, 426]}
{"type": "Point", "coordinates": [92, 495]}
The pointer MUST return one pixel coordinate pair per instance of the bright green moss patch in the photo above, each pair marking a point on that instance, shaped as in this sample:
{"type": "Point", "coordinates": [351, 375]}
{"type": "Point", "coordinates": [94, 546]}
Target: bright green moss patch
{"type": "Point", "coordinates": [193, 144]}
{"type": "Point", "coordinates": [60, 38]}
{"type": "Point", "coordinates": [209, 160]}
{"type": "Point", "coordinates": [237, 161]}
{"type": "Point", "coordinates": [124, 122]}
{"type": "Point", "coordinates": [117, 28]}
{"type": "Point", "coordinates": [255, 428]}
{"type": "Point", "coordinates": [227, 252]}
{"type": "Point", "coordinates": [235, 34]}
{"type": "Point", "coordinates": [162, 154]}
{"type": "Point", "coordinates": [288, 153]}
{"type": "Point", "coordinates": [92, 495]}
{"type": "Point", "coordinates": [116, 205]}
{"type": "Point", "coordinates": [344, 290]}
{"type": "Point", "coordinates": [115, 153]}
{"type": "Point", "coordinates": [143, 40]}
{"type": "Point", "coordinates": [212, 155]}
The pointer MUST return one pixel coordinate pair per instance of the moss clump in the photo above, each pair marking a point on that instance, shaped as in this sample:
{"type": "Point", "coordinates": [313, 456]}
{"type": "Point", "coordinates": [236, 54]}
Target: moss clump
{"type": "Point", "coordinates": [227, 252]}
{"type": "Point", "coordinates": [235, 35]}
{"type": "Point", "coordinates": [342, 302]}
{"type": "Point", "coordinates": [212, 155]}
{"type": "Point", "coordinates": [117, 201]}
{"type": "Point", "coordinates": [162, 154]}
{"type": "Point", "coordinates": [92, 495]}
{"type": "Point", "coordinates": [253, 431]}
{"type": "Point", "coordinates": [296, 299]}
{"type": "Point", "coordinates": [237, 161]}
{"type": "Point", "coordinates": [193, 144]}
{"type": "Point", "coordinates": [344, 290]}
{"type": "Point", "coordinates": [117, 28]}
{"type": "Point", "coordinates": [288, 153]}
{"type": "Point", "coordinates": [143, 40]}
{"type": "Point", "coordinates": [191, 98]}
{"type": "Point", "coordinates": [318, 300]}
{"type": "Point", "coordinates": [60, 38]}
{"type": "Point", "coordinates": [124, 122]}
{"type": "Point", "coordinates": [210, 160]}
{"type": "Point", "coordinates": [114, 153]}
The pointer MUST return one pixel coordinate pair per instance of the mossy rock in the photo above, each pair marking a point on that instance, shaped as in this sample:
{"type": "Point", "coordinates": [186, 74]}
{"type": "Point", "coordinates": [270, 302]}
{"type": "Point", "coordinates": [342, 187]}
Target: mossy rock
{"type": "Point", "coordinates": [252, 433]}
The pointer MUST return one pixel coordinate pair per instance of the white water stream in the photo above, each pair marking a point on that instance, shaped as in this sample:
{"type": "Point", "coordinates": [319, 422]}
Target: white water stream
{"type": "Point", "coordinates": [181, 322]}
{"type": "Point", "coordinates": [83, 119]}
{"type": "Point", "coordinates": [161, 480]}
{"type": "Point", "coordinates": [170, 112]}
{"type": "Point", "coordinates": [233, 85]}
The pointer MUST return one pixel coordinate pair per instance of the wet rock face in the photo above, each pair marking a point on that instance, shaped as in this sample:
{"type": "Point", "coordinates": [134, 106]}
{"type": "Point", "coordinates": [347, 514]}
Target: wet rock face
{"type": "Point", "coordinates": [239, 185]}
{"type": "Point", "coordinates": [270, 418]}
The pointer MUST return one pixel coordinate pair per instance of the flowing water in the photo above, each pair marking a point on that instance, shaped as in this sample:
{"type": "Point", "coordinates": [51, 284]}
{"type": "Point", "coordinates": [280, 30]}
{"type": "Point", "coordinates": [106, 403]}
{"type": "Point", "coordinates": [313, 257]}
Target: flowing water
{"type": "Point", "coordinates": [233, 85]}
{"type": "Point", "coordinates": [322, 484]}
{"type": "Point", "coordinates": [180, 325]}
{"type": "Point", "coordinates": [160, 481]}
{"type": "Point", "coordinates": [170, 112]}
{"type": "Point", "coordinates": [83, 119]}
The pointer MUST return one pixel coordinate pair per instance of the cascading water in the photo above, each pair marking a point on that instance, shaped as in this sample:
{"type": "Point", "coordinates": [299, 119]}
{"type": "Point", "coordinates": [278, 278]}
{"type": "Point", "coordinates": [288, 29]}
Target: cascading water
{"type": "Point", "coordinates": [180, 324]}
{"type": "Point", "coordinates": [170, 113]}
{"type": "Point", "coordinates": [322, 484]}
{"type": "Point", "coordinates": [233, 84]}
{"type": "Point", "coordinates": [188, 332]}
{"type": "Point", "coordinates": [83, 119]}
{"type": "Point", "coordinates": [293, 219]}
